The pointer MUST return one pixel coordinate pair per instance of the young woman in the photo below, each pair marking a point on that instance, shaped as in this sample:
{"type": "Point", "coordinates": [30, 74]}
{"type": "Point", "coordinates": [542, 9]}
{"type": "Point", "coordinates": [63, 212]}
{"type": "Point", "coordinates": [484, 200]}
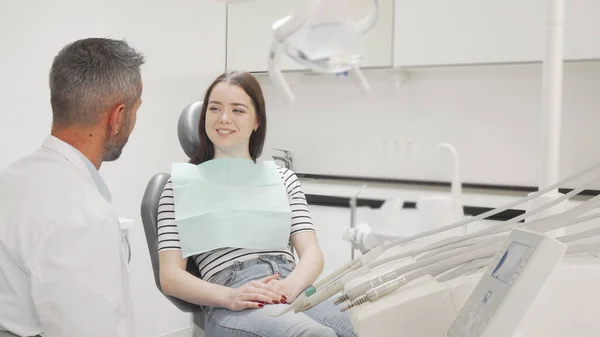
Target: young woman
{"type": "Point", "coordinates": [239, 288]}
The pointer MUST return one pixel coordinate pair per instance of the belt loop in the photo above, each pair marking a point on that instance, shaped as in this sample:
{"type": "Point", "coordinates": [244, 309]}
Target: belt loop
{"type": "Point", "coordinates": [272, 264]}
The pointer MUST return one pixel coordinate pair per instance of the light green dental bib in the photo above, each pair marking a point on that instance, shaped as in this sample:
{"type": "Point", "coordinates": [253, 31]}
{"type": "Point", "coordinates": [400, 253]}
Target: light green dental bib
{"type": "Point", "coordinates": [230, 202]}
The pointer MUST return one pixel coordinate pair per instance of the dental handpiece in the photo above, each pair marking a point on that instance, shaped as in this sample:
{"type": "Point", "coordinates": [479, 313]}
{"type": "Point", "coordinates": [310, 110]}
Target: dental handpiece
{"type": "Point", "coordinates": [297, 303]}
{"type": "Point", "coordinates": [433, 266]}
{"type": "Point", "coordinates": [311, 297]}
{"type": "Point", "coordinates": [300, 302]}
{"type": "Point", "coordinates": [349, 267]}
{"type": "Point", "coordinates": [377, 293]}
{"type": "Point", "coordinates": [330, 290]}
{"type": "Point", "coordinates": [360, 289]}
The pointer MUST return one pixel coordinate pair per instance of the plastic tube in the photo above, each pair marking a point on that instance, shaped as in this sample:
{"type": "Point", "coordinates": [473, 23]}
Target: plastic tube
{"type": "Point", "coordinates": [363, 260]}
{"type": "Point", "coordinates": [466, 243]}
{"type": "Point", "coordinates": [552, 93]}
{"type": "Point", "coordinates": [463, 269]}
{"type": "Point", "coordinates": [539, 225]}
{"type": "Point", "coordinates": [534, 227]}
{"type": "Point", "coordinates": [353, 206]}
{"type": "Point", "coordinates": [343, 270]}
{"type": "Point", "coordinates": [362, 288]}
{"type": "Point", "coordinates": [449, 256]}
{"type": "Point", "coordinates": [555, 221]}
{"type": "Point", "coordinates": [433, 269]}
{"type": "Point", "coordinates": [590, 233]}
{"type": "Point", "coordinates": [490, 230]}
{"type": "Point", "coordinates": [459, 253]}
{"type": "Point", "coordinates": [497, 210]}
{"type": "Point", "coordinates": [589, 248]}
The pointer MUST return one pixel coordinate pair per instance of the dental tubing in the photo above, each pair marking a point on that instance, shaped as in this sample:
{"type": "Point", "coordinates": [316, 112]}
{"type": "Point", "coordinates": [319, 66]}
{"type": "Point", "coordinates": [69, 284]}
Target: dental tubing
{"type": "Point", "coordinates": [490, 230]}
{"type": "Point", "coordinates": [365, 262]}
{"type": "Point", "coordinates": [433, 269]}
{"type": "Point", "coordinates": [551, 223]}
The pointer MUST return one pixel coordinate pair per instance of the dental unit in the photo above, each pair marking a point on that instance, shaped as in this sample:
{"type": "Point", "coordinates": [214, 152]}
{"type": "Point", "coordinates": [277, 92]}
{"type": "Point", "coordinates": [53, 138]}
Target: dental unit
{"type": "Point", "coordinates": [334, 283]}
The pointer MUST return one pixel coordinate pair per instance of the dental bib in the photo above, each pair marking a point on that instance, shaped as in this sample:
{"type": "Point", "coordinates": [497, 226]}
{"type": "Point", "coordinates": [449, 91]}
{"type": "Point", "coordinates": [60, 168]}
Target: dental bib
{"type": "Point", "coordinates": [230, 202]}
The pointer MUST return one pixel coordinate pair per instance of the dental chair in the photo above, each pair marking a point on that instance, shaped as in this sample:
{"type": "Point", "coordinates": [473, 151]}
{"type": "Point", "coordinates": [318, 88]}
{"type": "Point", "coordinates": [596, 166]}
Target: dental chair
{"type": "Point", "coordinates": [187, 131]}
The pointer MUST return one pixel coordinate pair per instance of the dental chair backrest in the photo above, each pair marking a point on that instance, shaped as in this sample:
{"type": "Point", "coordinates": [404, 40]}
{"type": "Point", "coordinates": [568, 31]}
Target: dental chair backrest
{"type": "Point", "coordinates": [187, 130]}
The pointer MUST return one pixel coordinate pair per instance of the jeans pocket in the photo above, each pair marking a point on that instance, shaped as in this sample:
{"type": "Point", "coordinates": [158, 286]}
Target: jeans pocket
{"type": "Point", "coordinates": [285, 266]}
{"type": "Point", "coordinates": [225, 277]}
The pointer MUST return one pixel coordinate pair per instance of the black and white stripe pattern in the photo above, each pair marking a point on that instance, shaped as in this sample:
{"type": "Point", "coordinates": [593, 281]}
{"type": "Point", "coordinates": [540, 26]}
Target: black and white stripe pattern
{"type": "Point", "coordinates": [210, 263]}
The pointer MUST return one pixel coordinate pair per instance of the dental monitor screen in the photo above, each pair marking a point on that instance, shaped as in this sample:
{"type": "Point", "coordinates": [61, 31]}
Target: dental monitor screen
{"type": "Point", "coordinates": [508, 267]}
{"type": "Point", "coordinates": [505, 291]}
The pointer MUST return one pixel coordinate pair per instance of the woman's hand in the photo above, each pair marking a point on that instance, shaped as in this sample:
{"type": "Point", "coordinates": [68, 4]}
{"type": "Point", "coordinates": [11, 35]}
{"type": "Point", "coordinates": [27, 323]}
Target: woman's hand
{"type": "Point", "coordinates": [289, 289]}
{"type": "Point", "coordinates": [253, 295]}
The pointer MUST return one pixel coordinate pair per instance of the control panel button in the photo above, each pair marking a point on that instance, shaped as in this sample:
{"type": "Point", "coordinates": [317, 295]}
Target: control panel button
{"type": "Point", "coordinates": [529, 253]}
{"type": "Point", "coordinates": [487, 297]}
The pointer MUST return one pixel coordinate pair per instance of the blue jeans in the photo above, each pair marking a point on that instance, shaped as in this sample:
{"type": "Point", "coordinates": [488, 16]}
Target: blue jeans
{"type": "Point", "coordinates": [324, 320]}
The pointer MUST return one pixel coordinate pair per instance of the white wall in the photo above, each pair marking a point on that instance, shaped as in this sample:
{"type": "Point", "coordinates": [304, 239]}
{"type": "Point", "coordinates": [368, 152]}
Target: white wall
{"type": "Point", "coordinates": [490, 114]}
{"type": "Point", "coordinates": [184, 42]}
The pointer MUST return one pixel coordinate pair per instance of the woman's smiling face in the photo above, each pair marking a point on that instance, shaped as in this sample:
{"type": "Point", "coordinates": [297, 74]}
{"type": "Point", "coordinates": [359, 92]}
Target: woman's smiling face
{"type": "Point", "coordinates": [230, 120]}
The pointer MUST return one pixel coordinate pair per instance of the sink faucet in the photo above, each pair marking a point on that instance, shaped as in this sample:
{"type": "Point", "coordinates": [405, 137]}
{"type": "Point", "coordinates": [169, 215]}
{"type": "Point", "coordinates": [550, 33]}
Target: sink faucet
{"type": "Point", "coordinates": [287, 159]}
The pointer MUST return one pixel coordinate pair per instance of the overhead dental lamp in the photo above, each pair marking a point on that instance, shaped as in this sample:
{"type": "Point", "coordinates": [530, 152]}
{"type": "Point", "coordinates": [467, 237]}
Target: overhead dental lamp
{"type": "Point", "coordinates": [320, 36]}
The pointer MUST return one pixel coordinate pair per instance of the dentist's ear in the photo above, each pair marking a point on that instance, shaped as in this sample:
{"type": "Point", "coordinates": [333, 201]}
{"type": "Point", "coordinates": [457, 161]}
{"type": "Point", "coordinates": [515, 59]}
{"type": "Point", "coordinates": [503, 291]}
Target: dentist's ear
{"type": "Point", "coordinates": [116, 117]}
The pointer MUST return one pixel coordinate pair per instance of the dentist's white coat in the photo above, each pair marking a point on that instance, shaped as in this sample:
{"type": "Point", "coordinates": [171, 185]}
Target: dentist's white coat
{"type": "Point", "coordinates": [63, 269]}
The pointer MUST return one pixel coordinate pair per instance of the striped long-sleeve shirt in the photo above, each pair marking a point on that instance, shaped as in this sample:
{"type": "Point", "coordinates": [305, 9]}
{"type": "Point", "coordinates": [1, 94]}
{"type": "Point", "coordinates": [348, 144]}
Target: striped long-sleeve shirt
{"type": "Point", "coordinates": [212, 262]}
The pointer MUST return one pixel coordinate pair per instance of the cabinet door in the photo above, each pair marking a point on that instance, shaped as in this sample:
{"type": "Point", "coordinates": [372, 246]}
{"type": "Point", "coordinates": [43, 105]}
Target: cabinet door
{"type": "Point", "coordinates": [582, 29]}
{"type": "Point", "coordinates": [249, 33]}
{"type": "Point", "coordinates": [444, 32]}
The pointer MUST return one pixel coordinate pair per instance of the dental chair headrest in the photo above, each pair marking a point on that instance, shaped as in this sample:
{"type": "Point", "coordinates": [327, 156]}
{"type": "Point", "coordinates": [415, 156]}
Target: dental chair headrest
{"type": "Point", "coordinates": [187, 128]}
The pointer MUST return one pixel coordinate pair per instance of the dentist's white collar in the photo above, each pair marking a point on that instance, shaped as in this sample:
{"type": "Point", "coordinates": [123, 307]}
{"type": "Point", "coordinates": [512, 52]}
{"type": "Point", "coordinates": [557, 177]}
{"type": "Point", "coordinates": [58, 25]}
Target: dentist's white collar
{"type": "Point", "coordinates": [80, 162]}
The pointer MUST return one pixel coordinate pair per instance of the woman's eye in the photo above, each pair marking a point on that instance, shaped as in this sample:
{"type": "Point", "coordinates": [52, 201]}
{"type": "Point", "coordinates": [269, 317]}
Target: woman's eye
{"type": "Point", "coordinates": [213, 108]}
{"type": "Point", "coordinates": [238, 110]}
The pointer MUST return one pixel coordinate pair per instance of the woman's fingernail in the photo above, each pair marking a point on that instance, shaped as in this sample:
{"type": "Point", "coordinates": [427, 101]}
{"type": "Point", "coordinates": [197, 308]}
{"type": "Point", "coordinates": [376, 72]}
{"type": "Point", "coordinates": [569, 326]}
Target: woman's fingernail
{"type": "Point", "coordinates": [283, 301]}
{"type": "Point", "coordinates": [275, 302]}
{"type": "Point", "coordinates": [260, 305]}
{"type": "Point", "coordinates": [283, 296]}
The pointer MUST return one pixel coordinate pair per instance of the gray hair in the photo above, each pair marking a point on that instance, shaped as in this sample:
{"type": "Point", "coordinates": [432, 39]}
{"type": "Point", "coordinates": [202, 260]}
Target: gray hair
{"type": "Point", "coordinates": [90, 75]}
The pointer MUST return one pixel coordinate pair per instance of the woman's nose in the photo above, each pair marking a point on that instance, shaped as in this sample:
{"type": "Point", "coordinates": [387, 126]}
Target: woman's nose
{"type": "Point", "coordinates": [224, 116]}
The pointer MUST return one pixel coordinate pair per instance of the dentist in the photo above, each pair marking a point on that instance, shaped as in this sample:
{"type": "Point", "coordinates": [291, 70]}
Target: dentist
{"type": "Point", "coordinates": [63, 269]}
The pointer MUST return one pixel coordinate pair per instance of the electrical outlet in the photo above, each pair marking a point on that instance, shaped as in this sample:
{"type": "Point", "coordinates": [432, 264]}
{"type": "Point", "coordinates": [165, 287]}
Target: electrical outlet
{"type": "Point", "coordinates": [397, 149]}
{"type": "Point", "coordinates": [408, 148]}
{"type": "Point", "coordinates": [392, 149]}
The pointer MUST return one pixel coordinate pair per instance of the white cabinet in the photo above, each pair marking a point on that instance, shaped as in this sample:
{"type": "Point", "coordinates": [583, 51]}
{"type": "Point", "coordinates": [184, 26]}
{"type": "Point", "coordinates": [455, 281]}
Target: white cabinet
{"type": "Point", "coordinates": [249, 33]}
{"type": "Point", "coordinates": [442, 32]}
{"type": "Point", "coordinates": [582, 29]}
